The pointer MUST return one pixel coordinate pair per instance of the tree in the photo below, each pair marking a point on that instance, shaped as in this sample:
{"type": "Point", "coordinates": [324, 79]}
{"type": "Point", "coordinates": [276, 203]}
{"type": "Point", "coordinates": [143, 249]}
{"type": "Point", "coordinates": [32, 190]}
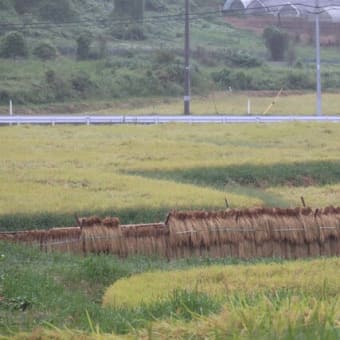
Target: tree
{"type": "Point", "coordinates": [129, 8]}
{"type": "Point", "coordinates": [276, 41]}
{"type": "Point", "coordinates": [57, 10]}
{"type": "Point", "coordinates": [83, 46]}
{"type": "Point", "coordinates": [14, 45]}
{"type": "Point", "coordinates": [45, 51]}
{"type": "Point", "coordinates": [24, 6]}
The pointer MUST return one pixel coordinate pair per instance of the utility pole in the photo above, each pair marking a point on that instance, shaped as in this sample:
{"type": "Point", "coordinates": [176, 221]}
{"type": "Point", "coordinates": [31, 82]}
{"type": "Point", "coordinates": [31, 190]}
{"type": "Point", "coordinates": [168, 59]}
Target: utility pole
{"type": "Point", "coordinates": [318, 62]}
{"type": "Point", "coordinates": [187, 61]}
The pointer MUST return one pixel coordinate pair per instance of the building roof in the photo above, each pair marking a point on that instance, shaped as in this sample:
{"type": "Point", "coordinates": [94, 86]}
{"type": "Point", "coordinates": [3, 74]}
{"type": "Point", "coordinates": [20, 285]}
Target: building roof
{"type": "Point", "coordinates": [299, 8]}
{"type": "Point", "coordinates": [230, 4]}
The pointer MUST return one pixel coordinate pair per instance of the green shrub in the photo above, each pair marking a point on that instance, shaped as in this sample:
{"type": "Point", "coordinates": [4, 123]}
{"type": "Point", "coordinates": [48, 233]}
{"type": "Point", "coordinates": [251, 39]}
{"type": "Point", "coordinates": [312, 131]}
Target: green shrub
{"type": "Point", "coordinates": [14, 45]}
{"type": "Point", "coordinates": [83, 46]}
{"type": "Point", "coordinates": [58, 88]}
{"type": "Point", "coordinates": [129, 8]}
{"type": "Point", "coordinates": [164, 56]}
{"type": "Point", "coordinates": [24, 6]}
{"type": "Point", "coordinates": [82, 84]}
{"type": "Point", "coordinates": [241, 58]}
{"type": "Point", "coordinates": [128, 32]}
{"type": "Point", "coordinates": [45, 51]}
{"type": "Point", "coordinates": [265, 78]}
{"type": "Point", "coordinates": [276, 41]}
{"type": "Point", "coordinates": [299, 80]}
{"type": "Point", "coordinates": [5, 4]}
{"type": "Point", "coordinates": [155, 5]}
{"type": "Point", "coordinates": [58, 11]}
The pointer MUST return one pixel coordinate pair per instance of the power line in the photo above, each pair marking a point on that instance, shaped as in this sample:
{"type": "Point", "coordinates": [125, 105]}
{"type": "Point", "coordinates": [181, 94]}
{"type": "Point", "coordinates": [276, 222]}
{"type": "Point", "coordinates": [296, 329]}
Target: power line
{"type": "Point", "coordinates": [159, 18]}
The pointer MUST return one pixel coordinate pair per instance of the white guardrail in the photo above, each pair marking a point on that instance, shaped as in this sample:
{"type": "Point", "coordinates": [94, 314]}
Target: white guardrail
{"type": "Point", "coordinates": [88, 120]}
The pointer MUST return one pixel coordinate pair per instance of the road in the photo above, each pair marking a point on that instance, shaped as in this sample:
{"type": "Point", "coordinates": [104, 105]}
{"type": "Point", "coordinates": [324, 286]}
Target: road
{"type": "Point", "coordinates": [89, 120]}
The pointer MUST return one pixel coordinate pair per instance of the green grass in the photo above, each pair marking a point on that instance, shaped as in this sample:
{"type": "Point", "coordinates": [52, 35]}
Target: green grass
{"type": "Point", "coordinates": [60, 295]}
{"type": "Point", "coordinates": [140, 173]}
{"type": "Point", "coordinates": [38, 289]}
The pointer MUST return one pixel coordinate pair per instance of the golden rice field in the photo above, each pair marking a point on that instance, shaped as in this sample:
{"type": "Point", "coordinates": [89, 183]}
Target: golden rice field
{"type": "Point", "coordinates": [259, 301]}
{"type": "Point", "coordinates": [141, 172]}
{"type": "Point", "coordinates": [311, 277]}
{"type": "Point", "coordinates": [138, 173]}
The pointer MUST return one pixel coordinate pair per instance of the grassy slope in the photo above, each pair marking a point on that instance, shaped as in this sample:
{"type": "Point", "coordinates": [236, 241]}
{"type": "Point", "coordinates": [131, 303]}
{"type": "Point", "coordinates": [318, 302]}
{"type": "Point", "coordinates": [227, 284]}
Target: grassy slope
{"type": "Point", "coordinates": [140, 173]}
{"type": "Point", "coordinates": [24, 80]}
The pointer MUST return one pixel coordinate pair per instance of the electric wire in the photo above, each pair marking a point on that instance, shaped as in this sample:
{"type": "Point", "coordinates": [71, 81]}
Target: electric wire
{"type": "Point", "coordinates": [193, 16]}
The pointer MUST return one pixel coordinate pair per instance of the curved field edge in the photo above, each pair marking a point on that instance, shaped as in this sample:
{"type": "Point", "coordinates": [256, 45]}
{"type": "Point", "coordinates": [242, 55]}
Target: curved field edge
{"type": "Point", "coordinates": [284, 300]}
{"type": "Point", "coordinates": [311, 277]}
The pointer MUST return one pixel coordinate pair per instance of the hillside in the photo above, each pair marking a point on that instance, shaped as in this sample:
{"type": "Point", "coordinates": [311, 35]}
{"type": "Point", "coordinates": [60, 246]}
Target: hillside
{"type": "Point", "coordinates": [79, 51]}
{"type": "Point", "coordinates": [62, 22]}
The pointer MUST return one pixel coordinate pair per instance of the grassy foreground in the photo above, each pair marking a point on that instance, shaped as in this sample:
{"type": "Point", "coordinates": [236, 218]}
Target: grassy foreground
{"type": "Point", "coordinates": [60, 296]}
{"type": "Point", "coordinates": [139, 173]}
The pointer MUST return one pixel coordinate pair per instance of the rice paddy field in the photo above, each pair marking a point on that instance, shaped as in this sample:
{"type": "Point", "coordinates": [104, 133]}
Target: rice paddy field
{"type": "Point", "coordinates": [139, 173]}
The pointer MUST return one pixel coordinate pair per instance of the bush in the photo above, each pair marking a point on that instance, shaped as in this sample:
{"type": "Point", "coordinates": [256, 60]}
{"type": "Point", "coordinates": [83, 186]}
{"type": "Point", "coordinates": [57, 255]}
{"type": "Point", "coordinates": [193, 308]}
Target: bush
{"type": "Point", "coordinates": [128, 32]}
{"type": "Point", "coordinates": [58, 88]}
{"type": "Point", "coordinates": [265, 79]}
{"type": "Point", "coordinates": [155, 5]}
{"type": "Point", "coordinates": [164, 57]}
{"type": "Point", "coordinates": [24, 6]}
{"type": "Point", "coordinates": [299, 80]}
{"type": "Point", "coordinates": [82, 84]}
{"type": "Point", "coordinates": [14, 45]}
{"type": "Point", "coordinates": [241, 59]}
{"type": "Point", "coordinates": [5, 4]}
{"type": "Point", "coordinates": [129, 8]}
{"type": "Point", "coordinates": [83, 46]}
{"type": "Point", "coordinates": [45, 51]}
{"type": "Point", "coordinates": [58, 11]}
{"type": "Point", "coordinates": [276, 41]}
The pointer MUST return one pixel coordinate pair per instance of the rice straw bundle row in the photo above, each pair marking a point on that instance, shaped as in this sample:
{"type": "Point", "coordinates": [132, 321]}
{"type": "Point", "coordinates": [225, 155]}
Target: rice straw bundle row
{"type": "Point", "coordinates": [62, 239]}
{"type": "Point", "coordinates": [146, 239]}
{"type": "Point", "coordinates": [257, 232]}
{"type": "Point", "coordinates": [102, 236]}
